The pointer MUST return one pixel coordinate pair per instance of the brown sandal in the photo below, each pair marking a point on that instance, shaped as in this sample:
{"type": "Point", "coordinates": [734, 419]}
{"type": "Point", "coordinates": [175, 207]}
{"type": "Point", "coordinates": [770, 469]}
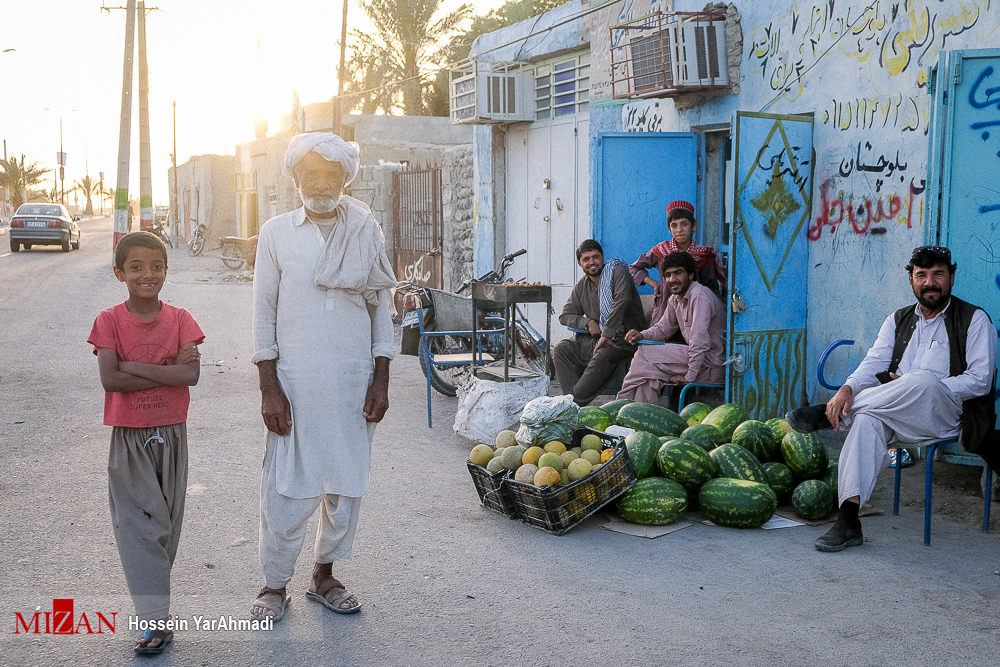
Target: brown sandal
{"type": "Point", "coordinates": [277, 611]}
{"type": "Point", "coordinates": [327, 584]}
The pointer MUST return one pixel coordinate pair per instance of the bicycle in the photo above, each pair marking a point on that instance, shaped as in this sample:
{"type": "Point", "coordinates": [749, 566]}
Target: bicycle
{"type": "Point", "coordinates": [197, 242]}
{"type": "Point", "coordinates": [158, 229]}
{"type": "Point", "coordinates": [449, 311]}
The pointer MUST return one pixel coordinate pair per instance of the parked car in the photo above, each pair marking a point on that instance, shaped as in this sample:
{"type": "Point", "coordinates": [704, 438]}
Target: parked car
{"type": "Point", "coordinates": [43, 224]}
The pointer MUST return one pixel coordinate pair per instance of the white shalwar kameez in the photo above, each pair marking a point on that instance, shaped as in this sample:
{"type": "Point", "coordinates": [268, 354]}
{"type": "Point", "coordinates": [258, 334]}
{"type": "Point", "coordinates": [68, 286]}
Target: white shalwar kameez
{"type": "Point", "coordinates": [924, 403]}
{"type": "Point", "coordinates": [324, 341]}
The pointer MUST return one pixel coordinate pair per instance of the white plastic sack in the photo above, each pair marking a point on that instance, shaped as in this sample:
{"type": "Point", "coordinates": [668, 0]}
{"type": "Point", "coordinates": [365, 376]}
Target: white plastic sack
{"type": "Point", "coordinates": [486, 407]}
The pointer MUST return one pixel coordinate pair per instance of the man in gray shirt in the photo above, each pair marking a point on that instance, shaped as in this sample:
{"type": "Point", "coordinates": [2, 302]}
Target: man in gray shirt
{"type": "Point", "coordinates": [605, 303]}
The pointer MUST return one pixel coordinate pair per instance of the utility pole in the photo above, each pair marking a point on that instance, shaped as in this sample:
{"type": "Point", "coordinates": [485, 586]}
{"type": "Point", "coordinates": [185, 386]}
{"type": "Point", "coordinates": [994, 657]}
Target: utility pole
{"type": "Point", "coordinates": [338, 106]}
{"type": "Point", "coordinates": [125, 133]}
{"type": "Point", "coordinates": [101, 193]}
{"type": "Point", "coordinates": [62, 167]}
{"type": "Point", "coordinates": [173, 204]}
{"type": "Point", "coordinates": [145, 161]}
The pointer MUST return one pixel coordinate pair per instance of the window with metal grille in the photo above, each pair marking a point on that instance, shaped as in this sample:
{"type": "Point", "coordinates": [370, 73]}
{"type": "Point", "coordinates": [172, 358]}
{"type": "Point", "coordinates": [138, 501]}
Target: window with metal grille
{"type": "Point", "coordinates": [562, 87]}
{"type": "Point", "coordinates": [650, 57]}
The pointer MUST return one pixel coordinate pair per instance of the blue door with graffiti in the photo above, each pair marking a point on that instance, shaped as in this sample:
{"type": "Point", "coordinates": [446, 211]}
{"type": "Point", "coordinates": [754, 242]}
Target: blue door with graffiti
{"type": "Point", "coordinates": [970, 183]}
{"type": "Point", "coordinates": [638, 174]}
{"type": "Point", "coordinates": [767, 321]}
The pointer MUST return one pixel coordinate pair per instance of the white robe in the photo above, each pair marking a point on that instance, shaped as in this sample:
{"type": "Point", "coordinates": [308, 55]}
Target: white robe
{"type": "Point", "coordinates": [324, 341]}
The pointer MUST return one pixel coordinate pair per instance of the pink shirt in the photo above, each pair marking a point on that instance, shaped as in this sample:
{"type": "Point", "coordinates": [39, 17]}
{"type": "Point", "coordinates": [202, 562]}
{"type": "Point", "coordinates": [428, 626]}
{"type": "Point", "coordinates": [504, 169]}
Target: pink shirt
{"type": "Point", "coordinates": [701, 319]}
{"type": "Point", "coordinates": [154, 343]}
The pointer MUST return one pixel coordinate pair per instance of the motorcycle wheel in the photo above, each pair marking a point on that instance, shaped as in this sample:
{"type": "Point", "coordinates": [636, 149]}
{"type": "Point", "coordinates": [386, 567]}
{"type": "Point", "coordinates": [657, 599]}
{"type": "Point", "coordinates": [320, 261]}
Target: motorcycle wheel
{"type": "Point", "coordinates": [443, 378]}
{"type": "Point", "coordinates": [196, 246]}
{"type": "Point", "coordinates": [231, 256]}
{"type": "Point", "coordinates": [166, 240]}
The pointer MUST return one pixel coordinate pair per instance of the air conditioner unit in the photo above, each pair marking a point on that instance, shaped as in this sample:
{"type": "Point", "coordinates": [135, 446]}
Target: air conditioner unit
{"type": "Point", "coordinates": [700, 50]}
{"type": "Point", "coordinates": [488, 93]}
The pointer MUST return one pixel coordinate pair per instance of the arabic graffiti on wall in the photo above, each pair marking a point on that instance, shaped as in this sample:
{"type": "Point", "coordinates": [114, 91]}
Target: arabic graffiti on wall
{"type": "Point", "coordinates": [642, 116]}
{"type": "Point", "coordinates": [867, 213]}
{"type": "Point", "coordinates": [905, 112]}
{"type": "Point", "coordinates": [890, 38]}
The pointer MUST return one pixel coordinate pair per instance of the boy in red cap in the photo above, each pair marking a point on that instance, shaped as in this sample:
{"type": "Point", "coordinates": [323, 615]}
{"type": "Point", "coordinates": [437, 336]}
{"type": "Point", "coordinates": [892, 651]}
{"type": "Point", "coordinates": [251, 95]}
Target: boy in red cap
{"type": "Point", "coordinates": [708, 266]}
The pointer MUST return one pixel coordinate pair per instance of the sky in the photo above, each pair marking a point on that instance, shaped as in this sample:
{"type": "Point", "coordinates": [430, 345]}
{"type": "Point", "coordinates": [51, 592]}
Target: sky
{"type": "Point", "coordinates": [224, 62]}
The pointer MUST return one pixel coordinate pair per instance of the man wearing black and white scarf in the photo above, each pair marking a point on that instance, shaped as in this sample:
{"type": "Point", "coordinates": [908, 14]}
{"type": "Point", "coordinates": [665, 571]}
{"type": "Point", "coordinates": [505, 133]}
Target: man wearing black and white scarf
{"type": "Point", "coordinates": [605, 304]}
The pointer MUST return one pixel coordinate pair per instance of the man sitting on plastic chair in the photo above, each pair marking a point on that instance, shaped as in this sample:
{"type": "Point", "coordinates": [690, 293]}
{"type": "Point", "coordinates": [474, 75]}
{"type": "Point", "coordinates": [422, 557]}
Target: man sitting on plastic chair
{"type": "Point", "coordinates": [928, 376]}
{"type": "Point", "coordinates": [697, 313]}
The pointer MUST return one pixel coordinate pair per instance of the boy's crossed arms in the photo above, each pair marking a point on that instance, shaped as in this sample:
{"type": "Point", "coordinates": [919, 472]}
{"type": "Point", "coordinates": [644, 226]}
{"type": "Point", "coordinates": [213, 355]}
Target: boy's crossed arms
{"type": "Point", "coordinates": [126, 376]}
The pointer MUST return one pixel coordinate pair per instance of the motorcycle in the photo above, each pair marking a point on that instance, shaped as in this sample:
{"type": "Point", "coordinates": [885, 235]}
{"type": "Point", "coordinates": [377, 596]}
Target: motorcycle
{"type": "Point", "coordinates": [441, 310]}
{"type": "Point", "coordinates": [237, 251]}
{"type": "Point", "coordinates": [197, 242]}
{"type": "Point", "coordinates": [161, 232]}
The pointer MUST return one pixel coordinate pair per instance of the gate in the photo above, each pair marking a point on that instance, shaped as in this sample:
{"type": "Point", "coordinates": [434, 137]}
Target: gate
{"type": "Point", "coordinates": [418, 226]}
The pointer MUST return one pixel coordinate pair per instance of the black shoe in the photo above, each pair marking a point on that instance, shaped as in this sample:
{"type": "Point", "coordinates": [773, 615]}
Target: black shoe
{"type": "Point", "coordinates": [808, 419]}
{"type": "Point", "coordinates": [839, 537]}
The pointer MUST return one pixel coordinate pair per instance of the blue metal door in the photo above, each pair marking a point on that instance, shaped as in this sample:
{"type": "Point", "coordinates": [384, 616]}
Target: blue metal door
{"type": "Point", "coordinates": [970, 184]}
{"type": "Point", "coordinates": [768, 265]}
{"type": "Point", "coordinates": [638, 174]}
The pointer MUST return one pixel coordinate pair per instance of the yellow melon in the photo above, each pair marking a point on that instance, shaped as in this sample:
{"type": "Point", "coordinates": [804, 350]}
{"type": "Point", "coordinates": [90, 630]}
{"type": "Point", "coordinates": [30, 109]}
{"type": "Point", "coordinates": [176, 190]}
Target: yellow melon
{"type": "Point", "coordinates": [495, 464]}
{"type": "Point", "coordinates": [546, 476]}
{"type": "Point", "coordinates": [578, 468]}
{"type": "Point", "coordinates": [526, 473]}
{"type": "Point", "coordinates": [607, 454]}
{"type": "Point", "coordinates": [591, 441]}
{"type": "Point", "coordinates": [593, 456]}
{"type": "Point", "coordinates": [506, 439]}
{"type": "Point", "coordinates": [511, 457]}
{"type": "Point", "coordinates": [481, 454]}
{"type": "Point", "coordinates": [563, 477]}
{"type": "Point", "coordinates": [555, 446]}
{"type": "Point", "coordinates": [568, 456]}
{"type": "Point", "coordinates": [550, 460]}
{"type": "Point", "coordinates": [532, 454]}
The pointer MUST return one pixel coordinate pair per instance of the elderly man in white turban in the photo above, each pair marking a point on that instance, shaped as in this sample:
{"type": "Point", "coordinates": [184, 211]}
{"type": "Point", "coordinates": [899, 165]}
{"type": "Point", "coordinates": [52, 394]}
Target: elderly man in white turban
{"type": "Point", "coordinates": [322, 334]}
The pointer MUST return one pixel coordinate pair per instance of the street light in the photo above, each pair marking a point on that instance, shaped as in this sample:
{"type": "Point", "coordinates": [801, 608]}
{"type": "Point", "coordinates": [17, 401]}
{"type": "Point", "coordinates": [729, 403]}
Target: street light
{"type": "Point", "coordinates": [61, 159]}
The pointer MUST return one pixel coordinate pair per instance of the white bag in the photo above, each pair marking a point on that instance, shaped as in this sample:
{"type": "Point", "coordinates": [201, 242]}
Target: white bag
{"type": "Point", "coordinates": [486, 407]}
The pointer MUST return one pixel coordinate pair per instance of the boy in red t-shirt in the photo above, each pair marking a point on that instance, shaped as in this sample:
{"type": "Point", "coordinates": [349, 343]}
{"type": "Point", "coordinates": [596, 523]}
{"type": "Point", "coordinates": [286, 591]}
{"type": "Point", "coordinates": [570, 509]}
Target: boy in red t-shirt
{"type": "Point", "coordinates": [147, 355]}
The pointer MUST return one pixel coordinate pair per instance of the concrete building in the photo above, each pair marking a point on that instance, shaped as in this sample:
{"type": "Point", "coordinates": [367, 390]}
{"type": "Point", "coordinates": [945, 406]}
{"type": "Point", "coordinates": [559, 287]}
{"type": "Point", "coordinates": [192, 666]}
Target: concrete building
{"type": "Point", "coordinates": [811, 136]}
{"type": "Point", "coordinates": [388, 144]}
{"type": "Point", "coordinates": [205, 194]}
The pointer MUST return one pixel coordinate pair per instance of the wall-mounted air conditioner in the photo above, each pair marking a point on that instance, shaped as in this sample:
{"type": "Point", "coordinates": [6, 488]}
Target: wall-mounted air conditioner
{"type": "Point", "coordinates": [668, 54]}
{"type": "Point", "coordinates": [489, 93]}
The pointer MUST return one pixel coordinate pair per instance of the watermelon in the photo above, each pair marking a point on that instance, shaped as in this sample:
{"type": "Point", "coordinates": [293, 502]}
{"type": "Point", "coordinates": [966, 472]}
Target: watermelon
{"type": "Point", "coordinates": [737, 503]}
{"type": "Point", "coordinates": [614, 406]}
{"type": "Point", "coordinates": [805, 454]}
{"type": "Point", "coordinates": [693, 413]}
{"type": "Point", "coordinates": [653, 502]}
{"type": "Point", "coordinates": [685, 463]}
{"type": "Point", "coordinates": [705, 435]}
{"type": "Point", "coordinates": [726, 418]}
{"type": "Point", "coordinates": [650, 418]}
{"type": "Point", "coordinates": [737, 463]}
{"type": "Point", "coordinates": [642, 448]}
{"type": "Point", "coordinates": [780, 479]}
{"type": "Point", "coordinates": [595, 418]}
{"type": "Point", "coordinates": [779, 427]}
{"type": "Point", "coordinates": [756, 437]}
{"type": "Point", "coordinates": [667, 438]}
{"type": "Point", "coordinates": [831, 476]}
{"type": "Point", "coordinates": [813, 499]}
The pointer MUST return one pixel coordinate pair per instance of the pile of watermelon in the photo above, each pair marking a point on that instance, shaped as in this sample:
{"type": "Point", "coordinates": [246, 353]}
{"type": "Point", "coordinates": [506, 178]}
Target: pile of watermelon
{"type": "Point", "coordinates": [736, 470]}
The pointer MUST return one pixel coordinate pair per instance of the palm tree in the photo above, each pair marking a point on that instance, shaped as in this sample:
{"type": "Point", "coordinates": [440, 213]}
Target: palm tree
{"type": "Point", "coordinates": [18, 178]}
{"type": "Point", "coordinates": [90, 188]}
{"type": "Point", "coordinates": [405, 48]}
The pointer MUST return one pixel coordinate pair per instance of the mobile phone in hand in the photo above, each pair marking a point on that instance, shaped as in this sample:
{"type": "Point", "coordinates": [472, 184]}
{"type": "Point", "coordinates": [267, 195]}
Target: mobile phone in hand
{"type": "Point", "coordinates": [884, 377]}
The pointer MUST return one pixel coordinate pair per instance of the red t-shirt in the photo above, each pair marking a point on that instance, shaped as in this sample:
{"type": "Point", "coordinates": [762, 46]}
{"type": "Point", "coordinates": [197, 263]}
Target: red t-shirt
{"type": "Point", "coordinates": [154, 343]}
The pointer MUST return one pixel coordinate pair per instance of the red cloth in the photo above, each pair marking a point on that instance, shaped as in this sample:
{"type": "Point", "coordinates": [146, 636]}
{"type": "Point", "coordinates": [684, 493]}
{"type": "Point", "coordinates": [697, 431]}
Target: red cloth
{"type": "Point", "coordinates": [156, 342]}
{"type": "Point", "coordinates": [703, 256]}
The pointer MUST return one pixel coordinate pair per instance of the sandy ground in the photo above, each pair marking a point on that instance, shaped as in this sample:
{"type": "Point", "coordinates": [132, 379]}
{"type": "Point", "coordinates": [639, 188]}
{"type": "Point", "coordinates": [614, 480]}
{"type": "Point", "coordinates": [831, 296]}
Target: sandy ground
{"type": "Point", "coordinates": [442, 580]}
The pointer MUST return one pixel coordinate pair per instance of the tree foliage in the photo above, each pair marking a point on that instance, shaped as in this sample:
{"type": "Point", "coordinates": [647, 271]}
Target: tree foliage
{"type": "Point", "coordinates": [507, 14]}
{"type": "Point", "coordinates": [405, 48]}
{"type": "Point", "coordinates": [19, 177]}
{"type": "Point", "coordinates": [90, 187]}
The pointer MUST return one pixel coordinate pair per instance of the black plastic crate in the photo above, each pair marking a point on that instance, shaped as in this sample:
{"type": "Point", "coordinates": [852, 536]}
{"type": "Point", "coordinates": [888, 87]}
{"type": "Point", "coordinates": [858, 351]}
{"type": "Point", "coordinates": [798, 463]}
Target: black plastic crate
{"type": "Point", "coordinates": [493, 494]}
{"type": "Point", "coordinates": [556, 509]}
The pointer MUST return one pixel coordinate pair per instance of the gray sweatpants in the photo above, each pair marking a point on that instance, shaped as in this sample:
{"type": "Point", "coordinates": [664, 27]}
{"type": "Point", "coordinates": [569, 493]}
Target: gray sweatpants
{"type": "Point", "coordinates": [147, 482]}
{"type": "Point", "coordinates": [916, 407]}
{"type": "Point", "coordinates": [283, 527]}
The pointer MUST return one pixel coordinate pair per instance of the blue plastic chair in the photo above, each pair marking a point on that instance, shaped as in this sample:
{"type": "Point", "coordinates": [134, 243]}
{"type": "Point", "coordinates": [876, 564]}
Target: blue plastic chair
{"type": "Point", "coordinates": [451, 360]}
{"type": "Point", "coordinates": [932, 447]}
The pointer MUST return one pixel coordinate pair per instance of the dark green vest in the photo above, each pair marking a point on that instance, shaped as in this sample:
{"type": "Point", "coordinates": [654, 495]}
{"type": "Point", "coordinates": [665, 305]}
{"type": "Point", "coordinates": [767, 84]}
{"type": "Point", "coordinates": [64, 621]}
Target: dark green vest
{"type": "Point", "coordinates": [978, 414]}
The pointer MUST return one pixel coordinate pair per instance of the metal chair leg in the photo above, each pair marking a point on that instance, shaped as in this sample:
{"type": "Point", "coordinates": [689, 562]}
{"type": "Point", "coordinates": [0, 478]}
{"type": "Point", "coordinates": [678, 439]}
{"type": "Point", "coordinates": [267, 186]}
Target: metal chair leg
{"type": "Point", "coordinates": [988, 494]}
{"type": "Point", "coordinates": [928, 490]}
{"type": "Point", "coordinates": [895, 496]}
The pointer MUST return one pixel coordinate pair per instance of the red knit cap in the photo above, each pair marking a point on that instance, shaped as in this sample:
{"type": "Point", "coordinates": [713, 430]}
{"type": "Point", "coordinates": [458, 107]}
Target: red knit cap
{"type": "Point", "coordinates": [680, 203]}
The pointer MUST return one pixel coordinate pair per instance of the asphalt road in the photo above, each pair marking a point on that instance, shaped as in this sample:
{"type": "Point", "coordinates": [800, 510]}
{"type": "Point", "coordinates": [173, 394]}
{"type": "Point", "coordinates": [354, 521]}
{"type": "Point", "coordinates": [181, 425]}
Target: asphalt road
{"type": "Point", "coordinates": [442, 581]}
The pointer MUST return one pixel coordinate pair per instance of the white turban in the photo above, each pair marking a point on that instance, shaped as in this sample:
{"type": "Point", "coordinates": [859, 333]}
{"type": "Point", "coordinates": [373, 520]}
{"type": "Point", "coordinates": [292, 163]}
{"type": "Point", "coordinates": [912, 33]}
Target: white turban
{"type": "Point", "coordinates": [328, 146]}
